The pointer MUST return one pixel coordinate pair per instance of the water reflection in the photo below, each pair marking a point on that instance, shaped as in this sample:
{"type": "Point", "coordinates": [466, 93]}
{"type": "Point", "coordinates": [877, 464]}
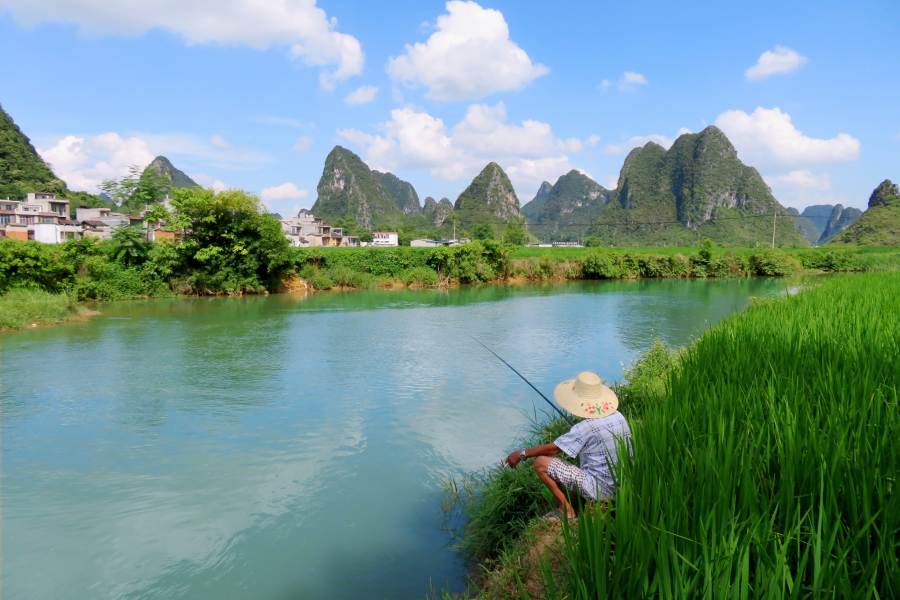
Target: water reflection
{"type": "Point", "coordinates": [287, 446]}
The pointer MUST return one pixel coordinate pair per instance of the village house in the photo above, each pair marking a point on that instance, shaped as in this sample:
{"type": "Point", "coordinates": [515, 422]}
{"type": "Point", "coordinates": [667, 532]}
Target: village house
{"type": "Point", "coordinates": [306, 230]}
{"type": "Point", "coordinates": [385, 238]}
{"type": "Point", "coordinates": [40, 216]}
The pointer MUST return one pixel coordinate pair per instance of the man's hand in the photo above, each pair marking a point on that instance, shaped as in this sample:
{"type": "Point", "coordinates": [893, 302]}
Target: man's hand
{"type": "Point", "coordinates": [513, 459]}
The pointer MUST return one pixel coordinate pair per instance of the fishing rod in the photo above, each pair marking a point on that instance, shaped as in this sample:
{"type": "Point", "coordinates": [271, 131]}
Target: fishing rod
{"type": "Point", "coordinates": [562, 414]}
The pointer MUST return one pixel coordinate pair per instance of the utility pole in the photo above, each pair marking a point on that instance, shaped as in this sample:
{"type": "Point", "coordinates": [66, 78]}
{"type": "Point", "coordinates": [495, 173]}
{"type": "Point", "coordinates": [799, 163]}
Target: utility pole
{"type": "Point", "coordinates": [774, 216]}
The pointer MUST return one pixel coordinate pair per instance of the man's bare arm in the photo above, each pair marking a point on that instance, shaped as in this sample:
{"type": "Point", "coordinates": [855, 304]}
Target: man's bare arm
{"type": "Point", "coordinates": [543, 450]}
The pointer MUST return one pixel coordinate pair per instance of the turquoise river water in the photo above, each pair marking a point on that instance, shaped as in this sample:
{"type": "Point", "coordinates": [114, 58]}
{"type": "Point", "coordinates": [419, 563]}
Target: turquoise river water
{"type": "Point", "coordinates": [288, 447]}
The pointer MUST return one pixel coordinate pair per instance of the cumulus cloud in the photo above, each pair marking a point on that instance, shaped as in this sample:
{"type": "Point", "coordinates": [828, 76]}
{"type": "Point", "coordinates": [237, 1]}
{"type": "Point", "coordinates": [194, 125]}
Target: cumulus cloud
{"type": "Point", "coordinates": [361, 95]}
{"type": "Point", "coordinates": [640, 140]}
{"type": "Point", "coordinates": [84, 162]}
{"type": "Point", "coordinates": [220, 186]}
{"type": "Point", "coordinates": [469, 56]}
{"type": "Point", "coordinates": [781, 60]}
{"type": "Point", "coordinates": [298, 24]}
{"type": "Point", "coordinates": [285, 191]}
{"type": "Point", "coordinates": [628, 82]}
{"type": "Point", "coordinates": [803, 179]}
{"type": "Point", "coordinates": [304, 143]}
{"type": "Point", "coordinates": [768, 139]}
{"type": "Point", "coordinates": [219, 142]}
{"type": "Point", "coordinates": [413, 140]}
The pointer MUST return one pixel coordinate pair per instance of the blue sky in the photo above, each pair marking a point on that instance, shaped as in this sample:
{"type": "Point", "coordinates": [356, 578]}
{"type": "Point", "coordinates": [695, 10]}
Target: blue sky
{"type": "Point", "coordinates": [255, 93]}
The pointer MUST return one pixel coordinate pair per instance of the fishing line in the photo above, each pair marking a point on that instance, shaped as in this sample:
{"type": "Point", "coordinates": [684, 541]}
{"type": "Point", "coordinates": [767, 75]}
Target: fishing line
{"type": "Point", "coordinates": [561, 413]}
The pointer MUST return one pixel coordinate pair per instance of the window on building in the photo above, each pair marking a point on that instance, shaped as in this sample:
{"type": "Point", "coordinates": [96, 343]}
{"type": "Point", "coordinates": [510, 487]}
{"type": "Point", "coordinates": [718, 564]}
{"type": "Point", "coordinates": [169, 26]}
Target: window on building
{"type": "Point", "coordinates": [47, 220]}
{"type": "Point", "coordinates": [4, 219]}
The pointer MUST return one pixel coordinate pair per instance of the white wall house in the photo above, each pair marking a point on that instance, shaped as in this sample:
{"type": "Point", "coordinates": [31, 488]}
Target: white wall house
{"type": "Point", "coordinates": [385, 238]}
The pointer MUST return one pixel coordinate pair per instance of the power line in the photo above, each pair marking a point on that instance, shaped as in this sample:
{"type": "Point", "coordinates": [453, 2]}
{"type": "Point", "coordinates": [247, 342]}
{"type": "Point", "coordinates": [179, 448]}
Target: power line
{"type": "Point", "coordinates": [764, 216]}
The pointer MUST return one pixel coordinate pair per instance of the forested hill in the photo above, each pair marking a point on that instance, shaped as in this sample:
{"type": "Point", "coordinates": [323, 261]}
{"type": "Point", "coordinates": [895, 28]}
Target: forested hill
{"type": "Point", "coordinates": [22, 170]}
{"type": "Point", "coordinates": [570, 206]}
{"type": "Point", "coordinates": [697, 189]}
{"type": "Point", "coordinates": [880, 224]}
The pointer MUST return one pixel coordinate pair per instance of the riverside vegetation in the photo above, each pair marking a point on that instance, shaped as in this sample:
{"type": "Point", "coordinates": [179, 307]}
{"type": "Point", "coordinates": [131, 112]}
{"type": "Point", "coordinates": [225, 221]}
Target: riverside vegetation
{"type": "Point", "coordinates": [231, 246]}
{"type": "Point", "coordinates": [764, 467]}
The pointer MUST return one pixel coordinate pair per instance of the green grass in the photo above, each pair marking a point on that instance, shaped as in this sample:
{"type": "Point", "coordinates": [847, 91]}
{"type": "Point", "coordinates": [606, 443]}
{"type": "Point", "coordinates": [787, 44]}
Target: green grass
{"type": "Point", "coordinates": [23, 307]}
{"type": "Point", "coordinates": [768, 468]}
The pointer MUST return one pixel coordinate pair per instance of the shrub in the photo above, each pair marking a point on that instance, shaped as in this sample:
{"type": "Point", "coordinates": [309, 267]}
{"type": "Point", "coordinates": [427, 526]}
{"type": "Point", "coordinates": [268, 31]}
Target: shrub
{"type": "Point", "coordinates": [321, 281]}
{"type": "Point", "coordinates": [22, 307]}
{"type": "Point", "coordinates": [419, 276]}
{"type": "Point", "coordinates": [769, 261]}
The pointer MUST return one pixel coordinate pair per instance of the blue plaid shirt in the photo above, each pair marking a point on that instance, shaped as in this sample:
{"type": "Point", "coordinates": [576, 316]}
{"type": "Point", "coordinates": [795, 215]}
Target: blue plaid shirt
{"type": "Point", "coordinates": [595, 443]}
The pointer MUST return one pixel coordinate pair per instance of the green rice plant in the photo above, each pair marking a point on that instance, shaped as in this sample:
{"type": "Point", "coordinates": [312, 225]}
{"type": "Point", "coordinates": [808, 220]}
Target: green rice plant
{"type": "Point", "coordinates": [22, 307]}
{"type": "Point", "coordinates": [769, 467]}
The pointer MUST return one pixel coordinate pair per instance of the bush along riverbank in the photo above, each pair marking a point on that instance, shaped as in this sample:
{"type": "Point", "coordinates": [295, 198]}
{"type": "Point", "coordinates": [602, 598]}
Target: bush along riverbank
{"type": "Point", "coordinates": [765, 463]}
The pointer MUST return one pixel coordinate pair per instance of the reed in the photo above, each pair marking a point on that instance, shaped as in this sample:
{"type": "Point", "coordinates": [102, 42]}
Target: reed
{"type": "Point", "coordinates": [769, 467]}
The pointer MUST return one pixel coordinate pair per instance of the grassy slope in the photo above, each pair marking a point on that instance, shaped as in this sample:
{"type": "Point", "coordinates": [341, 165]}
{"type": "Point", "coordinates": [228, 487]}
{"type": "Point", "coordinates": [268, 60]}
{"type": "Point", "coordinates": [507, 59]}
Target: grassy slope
{"type": "Point", "coordinates": [21, 308]}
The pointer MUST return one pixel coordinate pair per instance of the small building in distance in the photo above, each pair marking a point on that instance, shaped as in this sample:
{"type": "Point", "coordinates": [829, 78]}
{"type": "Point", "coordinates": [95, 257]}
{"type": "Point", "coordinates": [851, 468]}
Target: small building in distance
{"type": "Point", "coordinates": [306, 230]}
{"type": "Point", "coordinates": [385, 238]}
{"type": "Point", "coordinates": [423, 243]}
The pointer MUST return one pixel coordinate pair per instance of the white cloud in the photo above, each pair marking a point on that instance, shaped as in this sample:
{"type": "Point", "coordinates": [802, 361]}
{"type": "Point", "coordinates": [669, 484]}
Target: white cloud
{"type": "Point", "coordinates": [220, 186]}
{"type": "Point", "coordinates": [84, 162]}
{"type": "Point", "coordinates": [413, 140]}
{"type": "Point", "coordinates": [640, 140]}
{"type": "Point", "coordinates": [768, 139]}
{"type": "Point", "coordinates": [219, 142]}
{"type": "Point", "coordinates": [304, 143]}
{"type": "Point", "coordinates": [469, 56]}
{"type": "Point", "coordinates": [201, 178]}
{"type": "Point", "coordinates": [782, 60]}
{"type": "Point", "coordinates": [285, 191]}
{"type": "Point", "coordinates": [628, 82]}
{"type": "Point", "coordinates": [361, 95]}
{"type": "Point", "coordinates": [612, 182]}
{"type": "Point", "coordinates": [311, 36]}
{"type": "Point", "coordinates": [805, 180]}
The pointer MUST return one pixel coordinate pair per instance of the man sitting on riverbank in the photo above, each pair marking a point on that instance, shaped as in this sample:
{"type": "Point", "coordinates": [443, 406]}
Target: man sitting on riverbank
{"type": "Point", "coordinates": [595, 441]}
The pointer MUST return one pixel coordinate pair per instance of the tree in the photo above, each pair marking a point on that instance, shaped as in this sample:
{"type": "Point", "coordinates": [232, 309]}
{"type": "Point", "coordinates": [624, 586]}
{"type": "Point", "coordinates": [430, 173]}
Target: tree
{"type": "Point", "coordinates": [130, 248]}
{"type": "Point", "coordinates": [137, 189]}
{"type": "Point", "coordinates": [515, 234]}
{"type": "Point", "coordinates": [229, 242]}
{"type": "Point", "coordinates": [158, 212]}
{"type": "Point", "coordinates": [483, 231]}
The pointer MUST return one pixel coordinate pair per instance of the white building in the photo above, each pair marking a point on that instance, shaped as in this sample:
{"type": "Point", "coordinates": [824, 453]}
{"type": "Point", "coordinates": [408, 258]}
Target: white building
{"type": "Point", "coordinates": [385, 238]}
{"type": "Point", "coordinates": [308, 230]}
{"type": "Point", "coordinates": [18, 218]}
{"type": "Point", "coordinates": [113, 219]}
{"type": "Point", "coordinates": [423, 243]}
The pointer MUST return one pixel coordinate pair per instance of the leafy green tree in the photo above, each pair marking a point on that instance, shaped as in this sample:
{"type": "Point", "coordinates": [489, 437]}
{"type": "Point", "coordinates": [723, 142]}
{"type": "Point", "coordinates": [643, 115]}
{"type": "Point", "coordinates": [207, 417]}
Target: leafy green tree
{"type": "Point", "coordinates": [158, 212]}
{"type": "Point", "coordinates": [230, 244]}
{"type": "Point", "coordinates": [483, 231]}
{"type": "Point", "coordinates": [129, 246]}
{"type": "Point", "coordinates": [137, 189]}
{"type": "Point", "coordinates": [515, 234]}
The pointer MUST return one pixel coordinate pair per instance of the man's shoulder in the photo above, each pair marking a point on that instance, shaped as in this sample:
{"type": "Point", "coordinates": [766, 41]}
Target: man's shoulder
{"type": "Point", "coordinates": [614, 423]}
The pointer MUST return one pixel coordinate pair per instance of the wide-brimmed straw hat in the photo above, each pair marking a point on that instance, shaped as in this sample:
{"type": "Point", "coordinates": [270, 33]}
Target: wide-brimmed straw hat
{"type": "Point", "coordinates": [586, 396]}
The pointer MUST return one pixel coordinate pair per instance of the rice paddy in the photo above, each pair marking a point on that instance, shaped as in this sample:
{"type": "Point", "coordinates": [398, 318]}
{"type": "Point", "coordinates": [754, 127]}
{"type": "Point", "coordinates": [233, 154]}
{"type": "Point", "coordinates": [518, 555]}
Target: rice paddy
{"type": "Point", "coordinates": [768, 469]}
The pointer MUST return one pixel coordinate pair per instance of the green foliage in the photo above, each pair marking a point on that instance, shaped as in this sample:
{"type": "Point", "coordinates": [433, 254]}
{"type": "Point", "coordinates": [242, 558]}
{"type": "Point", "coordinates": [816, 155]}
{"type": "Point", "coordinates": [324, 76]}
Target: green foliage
{"type": "Point", "coordinates": [229, 244]}
{"type": "Point", "coordinates": [483, 231]}
{"type": "Point", "coordinates": [573, 202]}
{"type": "Point", "coordinates": [594, 242]}
{"type": "Point", "coordinates": [768, 468]}
{"type": "Point", "coordinates": [647, 378]}
{"type": "Point", "coordinates": [130, 247]}
{"type": "Point", "coordinates": [34, 265]}
{"type": "Point", "coordinates": [321, 281]}
{"type": "Point", "coordinates": [490, 198]}
{"type": "Point", "coordinates": [139, 188]}
{"type": "Point", "coordinates": [23, 307]}
{"type": "Point", "coordinates": [515, 234]}
{"type": "Point", "coordinates": [878, 226]}
{"type": "Point", "coordinates": [419, 276]}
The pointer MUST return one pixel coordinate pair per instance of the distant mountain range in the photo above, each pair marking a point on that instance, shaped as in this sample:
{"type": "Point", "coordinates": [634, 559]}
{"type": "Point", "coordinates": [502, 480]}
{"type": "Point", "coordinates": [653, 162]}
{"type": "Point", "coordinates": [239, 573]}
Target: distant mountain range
{"type": "Point", "coordinates": [880, 224]}
{"type": "Point", "coordinates": [822, 222]}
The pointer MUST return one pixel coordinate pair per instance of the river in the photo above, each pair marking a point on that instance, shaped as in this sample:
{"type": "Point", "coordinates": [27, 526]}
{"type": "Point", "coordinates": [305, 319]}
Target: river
{"type": "Point", "coordinates": [288, 446]}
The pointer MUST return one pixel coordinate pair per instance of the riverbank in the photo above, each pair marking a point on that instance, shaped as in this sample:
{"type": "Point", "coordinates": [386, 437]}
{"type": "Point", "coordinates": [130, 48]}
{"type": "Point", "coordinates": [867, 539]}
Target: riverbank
{"type": "Point", "coordinates": [807, 386]}
{"type": "Point", "coordinates": [30, 308]}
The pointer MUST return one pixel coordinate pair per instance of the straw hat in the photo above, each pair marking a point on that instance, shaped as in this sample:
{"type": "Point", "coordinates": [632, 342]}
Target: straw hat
{"type": "Point", "coordinates": [586, 396]}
